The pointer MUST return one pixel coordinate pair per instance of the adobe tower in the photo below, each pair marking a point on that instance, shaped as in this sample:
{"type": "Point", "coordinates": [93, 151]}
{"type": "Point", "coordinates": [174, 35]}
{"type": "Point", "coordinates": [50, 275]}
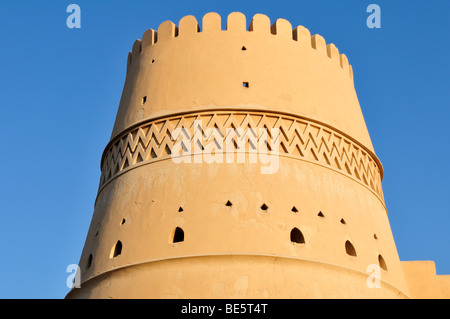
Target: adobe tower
{"type": "Point", "coordinates": [300, 214]}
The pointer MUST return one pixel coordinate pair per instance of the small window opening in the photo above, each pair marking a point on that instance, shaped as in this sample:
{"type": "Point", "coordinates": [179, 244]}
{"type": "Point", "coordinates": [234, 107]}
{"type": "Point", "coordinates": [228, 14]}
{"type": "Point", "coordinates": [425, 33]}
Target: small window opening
{"type": "Point", "coordinates": [381, 262]}
{"type": "Point", "coordinates": [97, 229]}
{"type": "Point", "coordinates": [116, 250]}
{"type": "Point", "coordinates": [297, 236]}
{"type": "Point", "coordinates": [320, 214]}
{"type": "Point", "coordinates": [375, 236]}
{"type": "Point", "coordinates": [229, 204]}
{"type": "Point", "coordinates": [264, 207]}
{"type": "Point", "coordinates": [122, 221]}
{"type": "Point", "coordinates": [178, 235]}
{"type": "Point", "coordinates": [180, 209]}
{"type": "Point", "coordinates": [243, 48]}
{"type": "Point", "coordinates": [144, 99]}
{"type": "Point", "coordinates": [350, 249]}
{"type": "Point", "coordinates": [89, 262]}
{"type": "Point", "coordinates": [343, 221]}
{"type": "Point", "coordinates": [245, 84]}
{"type": "Point", "coordinates": [153, 60]}
{"type": "Point", "coordinates": [294, 209]}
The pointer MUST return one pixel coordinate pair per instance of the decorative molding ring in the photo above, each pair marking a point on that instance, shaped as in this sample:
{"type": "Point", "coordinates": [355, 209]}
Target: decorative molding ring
{"type": "Point", "coordinates": [298, 138]}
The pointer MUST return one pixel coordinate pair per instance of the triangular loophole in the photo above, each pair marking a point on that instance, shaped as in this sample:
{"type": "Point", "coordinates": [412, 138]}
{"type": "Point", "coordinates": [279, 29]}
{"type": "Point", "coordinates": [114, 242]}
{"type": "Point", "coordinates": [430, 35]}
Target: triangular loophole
{"type": "Point", "coordinates": [229, 204]}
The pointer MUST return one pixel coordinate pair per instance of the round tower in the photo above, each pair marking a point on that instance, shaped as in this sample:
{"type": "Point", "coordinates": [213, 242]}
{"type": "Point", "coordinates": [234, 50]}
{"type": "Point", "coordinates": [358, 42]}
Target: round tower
{"type": "Point", "coordinates": [239, 166]}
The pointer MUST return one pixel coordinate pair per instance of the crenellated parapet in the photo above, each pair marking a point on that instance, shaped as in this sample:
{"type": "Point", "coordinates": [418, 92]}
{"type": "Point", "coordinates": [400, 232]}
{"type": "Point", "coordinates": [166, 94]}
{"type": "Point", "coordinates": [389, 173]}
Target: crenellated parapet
{"type": "Point", "coordinates": [236, 22]}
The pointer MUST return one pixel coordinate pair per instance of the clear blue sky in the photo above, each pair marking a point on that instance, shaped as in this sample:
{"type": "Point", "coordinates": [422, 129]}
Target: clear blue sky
{"type": "Point", "coordinates": [60, 89]}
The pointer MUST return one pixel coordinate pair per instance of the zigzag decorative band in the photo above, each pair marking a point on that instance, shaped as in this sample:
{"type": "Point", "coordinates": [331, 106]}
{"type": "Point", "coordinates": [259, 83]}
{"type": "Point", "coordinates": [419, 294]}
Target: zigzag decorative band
{"type": "Point", "coordinates": [298, 138]}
